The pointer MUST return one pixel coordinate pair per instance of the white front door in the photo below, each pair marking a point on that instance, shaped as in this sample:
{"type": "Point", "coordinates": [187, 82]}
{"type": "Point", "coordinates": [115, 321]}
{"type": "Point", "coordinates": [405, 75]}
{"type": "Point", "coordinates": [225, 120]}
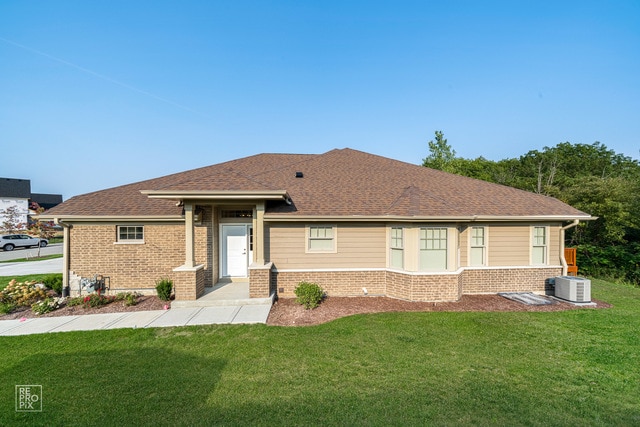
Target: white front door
{"type": "Point", "coordinates": [235, 251]}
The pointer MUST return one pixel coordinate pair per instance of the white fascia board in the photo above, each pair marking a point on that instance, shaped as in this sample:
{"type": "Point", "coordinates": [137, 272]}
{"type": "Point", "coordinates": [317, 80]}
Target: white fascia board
{"type": "Point", "coordinates": [387, 218]}
{"type": "Point", "coordinates": [103, 218]}
{"type": "Point", "coordinates": [217, 195]}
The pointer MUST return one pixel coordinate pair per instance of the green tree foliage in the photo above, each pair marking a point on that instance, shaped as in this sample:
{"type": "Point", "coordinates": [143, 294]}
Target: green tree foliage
{"type": "Point", "coordinates": [11, 220]}
{"type": "Point", "coordinates": [441, 155]}
{"type": "Point", "coordinates": [590, 177]}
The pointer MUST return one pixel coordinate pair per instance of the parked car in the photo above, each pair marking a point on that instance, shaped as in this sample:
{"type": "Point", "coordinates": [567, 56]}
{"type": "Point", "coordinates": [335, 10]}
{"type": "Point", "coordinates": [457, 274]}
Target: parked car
{"type": "Point", "coordinates": [9, 242]}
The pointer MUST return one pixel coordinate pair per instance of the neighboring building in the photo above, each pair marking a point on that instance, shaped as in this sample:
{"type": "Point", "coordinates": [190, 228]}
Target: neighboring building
{"type": "Point", "coordinates": [46, 201]}
{"type": "Point", "coordinates": [17, 192]}
{"type": "Point", "coordinates": [345, 219]}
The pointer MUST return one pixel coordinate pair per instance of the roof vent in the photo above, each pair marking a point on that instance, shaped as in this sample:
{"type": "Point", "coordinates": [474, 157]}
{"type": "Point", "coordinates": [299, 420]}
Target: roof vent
{"type": "Point", "coordinates": [299, 175]}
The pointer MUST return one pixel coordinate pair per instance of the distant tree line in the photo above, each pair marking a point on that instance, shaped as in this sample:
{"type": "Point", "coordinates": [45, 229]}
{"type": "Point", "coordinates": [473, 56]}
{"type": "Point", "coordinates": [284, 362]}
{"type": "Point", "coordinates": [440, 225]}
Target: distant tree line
{"type": "Point", "coordinates": [589, 177]}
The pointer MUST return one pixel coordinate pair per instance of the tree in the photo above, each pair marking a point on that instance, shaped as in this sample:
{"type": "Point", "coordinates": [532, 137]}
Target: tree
{"type": "Point", "coordinates": [44, 230]}
{"type": "Point", "coordinates": [441, 155]}
{"type": "Point", "coordinates": [11, 220]}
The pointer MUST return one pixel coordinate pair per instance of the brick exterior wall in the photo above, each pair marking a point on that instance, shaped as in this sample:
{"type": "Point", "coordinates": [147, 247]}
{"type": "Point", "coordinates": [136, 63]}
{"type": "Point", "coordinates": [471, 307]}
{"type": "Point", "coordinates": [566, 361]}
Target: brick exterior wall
{"type": "Point", "coordinates": [129, 266]}
{"type": "Point", "coordinates": [417, 287]}
{"type": "Point", "coordinates": [206, 252]}
{"type": "Point", "coordinates": [137, 266]}
{"type": "Point", "coordinates": [336, 283]}
{"type": "Point", "coordinates": [260, 281]}
{"type": "Point", "coordinates": [423, 287]}
{"type": "Point", "coordinates": [184, 283]}
{"type": "Point", "coordinates": [491, 281]}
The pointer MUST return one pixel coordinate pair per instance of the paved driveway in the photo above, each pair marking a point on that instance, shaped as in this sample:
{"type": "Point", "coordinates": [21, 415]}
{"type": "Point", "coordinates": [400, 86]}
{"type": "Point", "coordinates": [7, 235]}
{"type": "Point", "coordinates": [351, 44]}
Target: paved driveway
{"type": "Point", "coordinates": [54, 248]}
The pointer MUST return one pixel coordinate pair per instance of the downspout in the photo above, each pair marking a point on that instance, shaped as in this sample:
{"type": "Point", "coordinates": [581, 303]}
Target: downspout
{"type": "Point", "coordinates": [66, 245]}
{"type": "Point", "coordinates": [562, 259]}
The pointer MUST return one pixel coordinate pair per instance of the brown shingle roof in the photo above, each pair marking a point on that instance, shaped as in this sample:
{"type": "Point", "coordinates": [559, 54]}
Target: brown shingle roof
{"type": "Point", "coordinates": [337, 183]}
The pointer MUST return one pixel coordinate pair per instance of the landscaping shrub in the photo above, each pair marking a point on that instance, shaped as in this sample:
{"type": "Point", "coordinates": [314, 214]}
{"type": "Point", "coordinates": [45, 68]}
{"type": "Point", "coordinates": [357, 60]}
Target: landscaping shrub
{"type": "Point", "coordinates": [164, 288]}
{"type": "Point", "coordinates": [7, 307]}
{"type": "Point", "coordinates": [128, 298]}
{"type": "Point", "coordinates": [54, 281]}
{"type": "Point", "coordinates": [22, 294]}
{"type": "Point", "coordinates": [47, 305]}
{"type": "Point", "coordinates": [95, 300]}
{"type": "Point", "coordinates": [309, 294]}
{"type": "Point", "coordinates": [72, 302]}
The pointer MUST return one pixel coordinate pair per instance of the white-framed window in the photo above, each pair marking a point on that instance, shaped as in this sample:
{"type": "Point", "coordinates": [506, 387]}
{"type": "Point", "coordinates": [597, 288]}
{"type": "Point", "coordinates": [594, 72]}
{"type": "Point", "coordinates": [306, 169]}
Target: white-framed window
{"type": "Point", "coordinates": [131, 234]}
{"type": "Point", "coordinates": [433, 249]}
{"type": "Point", "coordinates": [321, 238]}
{"type": "Point", "coordinates": [478, 246]}
{"type": "Point", "coordinates": [539, 244]}
{"type": "Point", "coordinates": [396, 246]}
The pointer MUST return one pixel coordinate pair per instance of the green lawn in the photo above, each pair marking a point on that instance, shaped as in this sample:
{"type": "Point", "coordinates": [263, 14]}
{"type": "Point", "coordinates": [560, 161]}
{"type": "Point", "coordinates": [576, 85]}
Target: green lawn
{"type": "Point", "coordinates": [578, 367]}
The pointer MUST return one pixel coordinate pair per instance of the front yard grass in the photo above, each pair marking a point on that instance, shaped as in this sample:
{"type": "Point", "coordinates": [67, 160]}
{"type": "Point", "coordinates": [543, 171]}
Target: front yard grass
{"type": "Point", "coordinates": [578, 367]}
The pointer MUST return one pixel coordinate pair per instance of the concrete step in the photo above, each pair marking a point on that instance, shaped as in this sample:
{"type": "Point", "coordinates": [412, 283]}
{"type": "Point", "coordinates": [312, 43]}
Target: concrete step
{"type": "Point", "coordinates": [208, 302]}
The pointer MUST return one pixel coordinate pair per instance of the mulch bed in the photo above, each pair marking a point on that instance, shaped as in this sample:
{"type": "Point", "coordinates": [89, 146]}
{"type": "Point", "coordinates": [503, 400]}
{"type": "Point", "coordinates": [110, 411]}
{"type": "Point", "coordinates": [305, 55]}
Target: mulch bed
{"type": "Point", "coordinates": [146, 302]}
{"type": "Point", "coordinates": [286, 312]}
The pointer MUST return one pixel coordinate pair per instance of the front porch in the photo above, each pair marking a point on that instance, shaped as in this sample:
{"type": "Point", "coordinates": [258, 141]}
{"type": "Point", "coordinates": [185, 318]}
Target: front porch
{"type": "Point", "coordinates": [225, 293]}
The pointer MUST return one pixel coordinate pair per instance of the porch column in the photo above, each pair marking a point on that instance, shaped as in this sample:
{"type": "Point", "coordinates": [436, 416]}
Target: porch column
{"type": "Point", "coordinates": [189, 259]}
{"type": "Point", "coordinates": [258, 234]}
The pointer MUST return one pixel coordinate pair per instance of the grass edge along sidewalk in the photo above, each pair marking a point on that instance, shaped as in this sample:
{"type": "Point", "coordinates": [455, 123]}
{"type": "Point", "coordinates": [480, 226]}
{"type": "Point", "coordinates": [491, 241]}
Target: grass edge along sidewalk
{"type": "Point", "coordinates": [576, 367]}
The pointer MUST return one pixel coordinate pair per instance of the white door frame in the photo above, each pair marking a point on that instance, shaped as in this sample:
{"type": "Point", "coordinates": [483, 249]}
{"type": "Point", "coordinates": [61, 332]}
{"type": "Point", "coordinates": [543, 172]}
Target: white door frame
{"type": "Point", "coordinates": [247, 252]}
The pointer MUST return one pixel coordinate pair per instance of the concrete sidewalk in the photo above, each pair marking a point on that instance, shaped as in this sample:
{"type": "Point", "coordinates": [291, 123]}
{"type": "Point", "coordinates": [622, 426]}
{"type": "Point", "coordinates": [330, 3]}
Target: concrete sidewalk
{"type": "Point", "coordinates": [139, 319]}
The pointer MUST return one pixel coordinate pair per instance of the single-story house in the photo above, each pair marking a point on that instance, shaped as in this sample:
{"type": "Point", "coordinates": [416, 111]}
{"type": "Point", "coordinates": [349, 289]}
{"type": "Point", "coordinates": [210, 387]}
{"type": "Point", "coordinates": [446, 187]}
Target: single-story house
{"type": "Point", "coordinates": [350, 221]}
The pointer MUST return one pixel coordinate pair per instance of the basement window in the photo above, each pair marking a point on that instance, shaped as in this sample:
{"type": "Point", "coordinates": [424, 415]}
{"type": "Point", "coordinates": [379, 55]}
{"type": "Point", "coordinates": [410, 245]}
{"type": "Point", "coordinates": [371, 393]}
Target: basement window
{"type": "Point", "coordinates": [130, 234]}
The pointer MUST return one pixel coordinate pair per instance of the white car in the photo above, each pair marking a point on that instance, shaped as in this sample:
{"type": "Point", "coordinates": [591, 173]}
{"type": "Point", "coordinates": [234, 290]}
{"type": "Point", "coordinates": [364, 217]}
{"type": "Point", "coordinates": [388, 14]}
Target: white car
{"type": "Point", "coordinates": [9, 242]}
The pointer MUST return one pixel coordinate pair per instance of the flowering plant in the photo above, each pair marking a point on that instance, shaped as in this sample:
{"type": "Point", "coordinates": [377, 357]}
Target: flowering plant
{"type": "Point", "coordinates": [47, 305]}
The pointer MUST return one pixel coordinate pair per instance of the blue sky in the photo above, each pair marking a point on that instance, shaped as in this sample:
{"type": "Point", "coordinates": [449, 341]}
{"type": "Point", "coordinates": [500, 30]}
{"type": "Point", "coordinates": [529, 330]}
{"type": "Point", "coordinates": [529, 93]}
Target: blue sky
{"type": "Point", "coordinates": [96, 94]}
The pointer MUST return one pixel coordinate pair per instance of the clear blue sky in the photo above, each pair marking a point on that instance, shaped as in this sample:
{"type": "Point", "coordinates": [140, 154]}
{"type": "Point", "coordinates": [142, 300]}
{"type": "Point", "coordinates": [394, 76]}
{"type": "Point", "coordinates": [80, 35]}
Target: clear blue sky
{"type": "Point", "coordinates": [96, 94]}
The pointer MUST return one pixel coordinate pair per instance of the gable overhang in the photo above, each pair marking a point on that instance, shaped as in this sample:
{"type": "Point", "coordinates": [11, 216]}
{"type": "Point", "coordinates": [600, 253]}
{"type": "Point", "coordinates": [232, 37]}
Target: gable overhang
{"type": "Point", "coordinates": [111, 218]}
{"type": "Point", "coordinates": [218, 195]}
{"type": "Point", "coordinates": [439, 219]}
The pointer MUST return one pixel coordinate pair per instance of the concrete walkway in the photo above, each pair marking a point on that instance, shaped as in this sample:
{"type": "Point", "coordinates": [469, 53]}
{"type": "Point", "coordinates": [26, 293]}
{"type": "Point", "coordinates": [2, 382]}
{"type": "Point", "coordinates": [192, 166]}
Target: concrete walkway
{"type": "Point", "coordinates": [139, 319]}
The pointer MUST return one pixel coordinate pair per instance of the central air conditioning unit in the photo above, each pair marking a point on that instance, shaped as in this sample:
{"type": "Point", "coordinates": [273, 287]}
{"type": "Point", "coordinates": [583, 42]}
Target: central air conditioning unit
{"type": "Point", "coordinates": [574, 289]}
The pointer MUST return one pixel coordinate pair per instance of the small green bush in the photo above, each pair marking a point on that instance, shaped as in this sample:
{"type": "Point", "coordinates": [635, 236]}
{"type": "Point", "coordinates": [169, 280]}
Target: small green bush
{"type": "Point", "coordinates": [54, 281]}
{"type": "Point", "coordinates": [164, 288]}
{"type": "Point", "coordinates": [7, 307]}
{"type": "Point", "coordinates": [309, 294]}
{"type": "Point", "coordinates": [75, 301]}
{"type": "Point", "coordinates": [95, 300]}
{"type": "Point", "coordinates": [128, 298]}
{"type": "Point", "coordinates": [47, 305]}
{"type": "Point", "coordinates": [22, 294]}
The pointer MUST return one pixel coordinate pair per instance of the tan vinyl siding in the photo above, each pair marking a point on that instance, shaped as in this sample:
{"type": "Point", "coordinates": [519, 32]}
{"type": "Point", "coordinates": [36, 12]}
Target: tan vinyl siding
{"type": "Point", "coordinates": [509, 245]}
{"type": "Point", "coordinates": [358, 246]}
{"type": "Point", "coordinates": [464, 247]}
{"type": "Point", "coordinates": [554, 244]}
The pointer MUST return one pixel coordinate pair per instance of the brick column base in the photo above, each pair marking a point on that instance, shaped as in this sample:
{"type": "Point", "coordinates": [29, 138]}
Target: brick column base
{"type": "Point", "coordinates": [189, 282]}
{"type": "Point", "coordinates": [260, 280]}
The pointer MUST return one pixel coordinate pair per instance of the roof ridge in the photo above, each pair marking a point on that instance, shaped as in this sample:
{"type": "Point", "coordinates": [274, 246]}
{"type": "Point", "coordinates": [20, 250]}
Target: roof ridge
{"type": "Point", "coordinates": [289, 164]}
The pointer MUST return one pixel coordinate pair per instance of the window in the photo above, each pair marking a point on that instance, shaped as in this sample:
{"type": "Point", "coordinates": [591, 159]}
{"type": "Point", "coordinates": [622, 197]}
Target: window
{"type": "Point", "coordinates": [539, 249]}
{"type": "Point", "coordinates": [237, 213]}
{"type": "Point", "coordinates": [396, 258]}
{"type": "Point", "coordinates": [477, 252]}
{"type": "Point", "coordinates": [433, 249]}
{"type": "Point", "coordinates": [321, 238]}
{"type": "Point", "coordinates": [130, 233]}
